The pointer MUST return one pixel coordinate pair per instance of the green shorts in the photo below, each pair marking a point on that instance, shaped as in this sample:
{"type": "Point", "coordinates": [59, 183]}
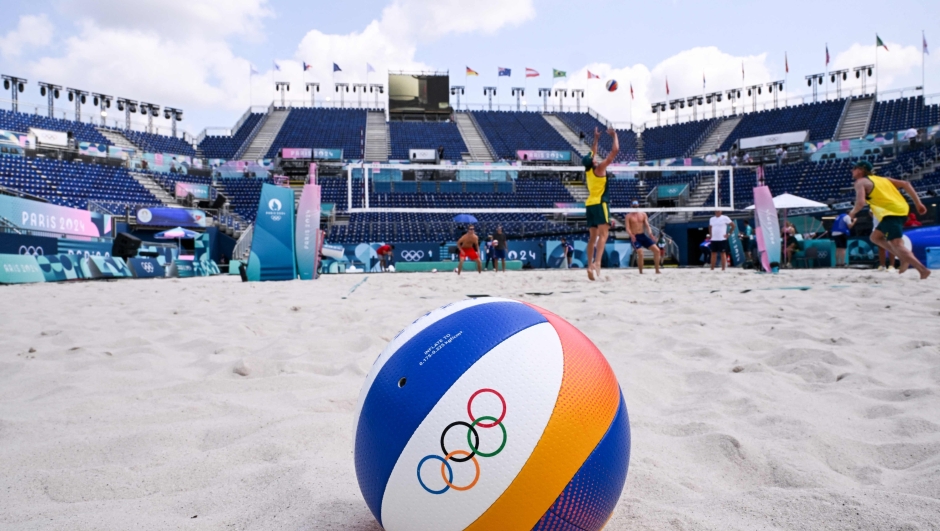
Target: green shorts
{"type": "Point", "coordinates": [597, 215]}
{"type": "Point", "coordinates": [892, 227]}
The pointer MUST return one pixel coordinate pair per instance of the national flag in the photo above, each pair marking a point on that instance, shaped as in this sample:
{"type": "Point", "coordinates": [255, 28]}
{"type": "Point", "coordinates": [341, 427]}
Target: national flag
{"type": "Point", "coordinates": [631, 91]}
{"type": "Point", "coordinates": [307, 67]}
{"type": "Point", "coordinates": [276, 66]}
{"type": "Point", "coordinates": [827, 55]}
{"type": "Point", "coordinates": [336, 68]}
{"type": "Point", "coordinates": [472, 72]}
{"type": "Point", "coordinates": [559, 73]}
{"type": "Point", "coordinates": [592, 76]}
{"type": "Point", "coordinates": [879, 42]}
{"type": "Point", "coordinates": [786, 62]}
{"type": "Point", "coordinates": [667, 85]}
{"type": "Point", "coordinates": [369, 68]}
{"type": "Point", "coordinates": [742, 70]}
{"type": "Point", "coordinates": [254, 71]}
{"type": "Point", "coordinates": [529, 72]}
{"type": "Point", "coordinates": [926, 51]}
{"type": "Point", "coordinates": [703, 80]}
{"type": "Point", "coordinates": [505, 72]}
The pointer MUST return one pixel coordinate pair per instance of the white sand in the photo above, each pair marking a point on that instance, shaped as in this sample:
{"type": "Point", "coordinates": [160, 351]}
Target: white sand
{"type": "Point", "coordinates": [131, 414]}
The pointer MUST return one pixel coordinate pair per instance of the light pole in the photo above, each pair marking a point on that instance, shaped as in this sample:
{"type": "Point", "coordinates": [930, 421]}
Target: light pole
{"type": "Point", "coordinates": [174, 115]}
{"type": "Point", "coordinates": [775, 88]}
{"type": "Point", "coordinates": [151, 110]}
{"type": "Point", "coordinates": [128, 106]}
{"type": "Point", "coordinates": [490, 92]}
{"type": "Point", "coordinates": [837, 77]}
{"type": "Point", "coordinates": [713, 98]}
{"type": "Point", "coordinates": [315, 88]}
{"type": "Point", "coordinates": [342, 93]}
{"type": "Point", "coordinates": [544, 93]}
{"type": "Point", "coordinates": [863, 72]}
{"type": "Point", "coordinates": [78, 96]}
{"type": "Point", "coordinates": [457, 90]}
{"type": "Point", "coordinates": [15, 85]}
{"type": "Point", "coordinates": [813, 81]}
{"type": "Point", "coordinates": [282, 87]}
{"type": "Point", "coordinates": [377, 88]}
{"type": "Point", "coordinates": [360, 88]}
{"type": "Point", "coordinates": [51, 92]}
{"type": "Point", "coordinates": [732, 95]}
{"type": "Point", "coordinates": [103, 102]}
{"type": "Point", "coordinates": [518, 92]}
{"type": "Point", "coordinates": [694, 102]}
{"type": "Point", "coordinates": [561, 93]}
{"type": "Point", "coordinates": [578, 94]}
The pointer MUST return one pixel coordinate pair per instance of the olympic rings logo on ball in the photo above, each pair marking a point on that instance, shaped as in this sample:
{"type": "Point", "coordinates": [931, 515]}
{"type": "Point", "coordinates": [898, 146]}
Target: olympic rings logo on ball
{"type": "Point", "coordinates": [473, 442]}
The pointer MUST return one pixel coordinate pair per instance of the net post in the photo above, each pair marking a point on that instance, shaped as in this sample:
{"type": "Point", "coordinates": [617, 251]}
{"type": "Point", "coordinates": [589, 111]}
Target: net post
{"type": "Point", "coordinates": [717, 184]}
{"type": "Point", "coordinates": [731, 184]}
{"type": "Point", "coordinates": [349, 202]}
{"type": "Point", "coordinates": [365, 182]}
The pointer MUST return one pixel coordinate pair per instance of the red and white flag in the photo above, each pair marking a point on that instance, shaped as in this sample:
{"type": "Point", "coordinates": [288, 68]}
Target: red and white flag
{"type": "Point", "coordinates": [592, 76]}
{"type": "Point", "coordinates": [667, 85]}
{"type": "Point", "coordinates": [631, 91]}
{"type": "Point", "coordinates": [786, 62]}
{"type": "Point", "coordinates": [529, 72]}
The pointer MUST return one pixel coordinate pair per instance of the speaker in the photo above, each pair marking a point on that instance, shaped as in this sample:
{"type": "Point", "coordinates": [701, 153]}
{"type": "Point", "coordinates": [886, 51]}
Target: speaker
{"type": "Point", "coordinates": [219, 202]}
{"type": "Point", "coordinates": [125, 245]}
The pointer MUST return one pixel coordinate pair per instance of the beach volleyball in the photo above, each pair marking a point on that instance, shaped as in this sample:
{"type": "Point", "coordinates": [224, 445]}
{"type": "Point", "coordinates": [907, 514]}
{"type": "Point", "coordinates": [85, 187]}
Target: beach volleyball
{"type": "Point", "coordinates": [491, 414]}
{"type": "Point", "coordinates": [612, 85]}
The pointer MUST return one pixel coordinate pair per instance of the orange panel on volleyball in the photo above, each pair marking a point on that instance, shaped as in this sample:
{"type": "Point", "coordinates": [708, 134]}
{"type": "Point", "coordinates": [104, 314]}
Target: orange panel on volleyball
{"type": "Point", "coordinates": [587, 403]}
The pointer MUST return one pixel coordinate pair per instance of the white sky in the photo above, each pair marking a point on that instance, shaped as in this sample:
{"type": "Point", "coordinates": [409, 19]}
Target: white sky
{"type": "Point", "coordinates": [195, 54]}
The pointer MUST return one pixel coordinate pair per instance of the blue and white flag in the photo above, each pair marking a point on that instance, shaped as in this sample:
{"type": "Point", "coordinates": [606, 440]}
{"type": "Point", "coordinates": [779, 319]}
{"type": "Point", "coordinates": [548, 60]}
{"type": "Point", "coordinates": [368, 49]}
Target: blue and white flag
{"type": "Point", "coordinates": [369, 68]}
{"type": "Point", "coordinates": [505, 71]}
{"type": "Point", "coordinates": [254, 71]}
{"type": "Point", "coordinates": [336, 68]}
{"type": "Point", "coordinates": [276, 66]}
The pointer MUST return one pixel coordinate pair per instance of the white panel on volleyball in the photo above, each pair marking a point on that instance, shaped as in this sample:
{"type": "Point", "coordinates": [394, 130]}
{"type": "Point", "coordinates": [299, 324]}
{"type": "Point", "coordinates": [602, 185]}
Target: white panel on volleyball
{"type": "Point", "coordinates": [714, 172]}
{"type": "Point", "coordinates": [526, 370]}
{"type": "Point", "coordinates": [409, 332]}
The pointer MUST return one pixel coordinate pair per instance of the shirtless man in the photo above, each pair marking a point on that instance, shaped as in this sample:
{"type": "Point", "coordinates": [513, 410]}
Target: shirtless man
{"type": "Point", "coordinates": [638, 226]}
{"type": "Point", "coordinates": [469, 247]}
{"type": "Point", "coordinates": [597, 205]}
{"type": "Point", "coordinates": [890, 209]}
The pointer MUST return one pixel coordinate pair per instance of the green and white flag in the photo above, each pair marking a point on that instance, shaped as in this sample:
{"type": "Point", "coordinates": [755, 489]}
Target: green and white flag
{"type": "Point", "coordinates": [879, 42]}
{"type": "Point", "coordinates": [559, 73]}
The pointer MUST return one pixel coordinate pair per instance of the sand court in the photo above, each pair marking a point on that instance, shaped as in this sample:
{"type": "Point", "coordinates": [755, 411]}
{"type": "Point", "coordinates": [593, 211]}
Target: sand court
{"type": "Point", "coordinates": [805, 400]}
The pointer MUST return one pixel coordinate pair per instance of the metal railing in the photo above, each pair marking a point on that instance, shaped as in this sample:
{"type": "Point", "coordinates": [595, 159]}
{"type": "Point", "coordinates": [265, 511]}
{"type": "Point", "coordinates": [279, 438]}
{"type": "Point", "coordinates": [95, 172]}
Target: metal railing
{"type": "Point", "coordinates": [243, 245]}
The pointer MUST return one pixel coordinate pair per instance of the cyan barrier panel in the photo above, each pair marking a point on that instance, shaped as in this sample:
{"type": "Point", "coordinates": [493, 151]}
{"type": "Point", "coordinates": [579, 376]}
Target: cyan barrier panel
{"type": "Point", "coordinates": [85, 248]}
{"type": "Point", "coordinates": [146, 268]}
{"type": "Point", "coordinates": [272, 246]}
{"type": "Point", "coordinates": [108, 267]}
{"type": "Point", "coordinates": [19, 269]}
{"type": "Point", "coordinates": [60, 267]}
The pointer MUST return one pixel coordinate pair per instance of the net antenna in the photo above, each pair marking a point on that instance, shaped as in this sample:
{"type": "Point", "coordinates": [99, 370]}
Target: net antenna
{"type": "Point", "coordinates": [373, 172]}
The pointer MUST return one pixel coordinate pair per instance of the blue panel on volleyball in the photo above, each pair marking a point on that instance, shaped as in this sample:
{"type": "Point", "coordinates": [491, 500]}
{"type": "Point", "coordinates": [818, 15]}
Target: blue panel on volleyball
{"type": "Point", "coordinates": [272, 246]}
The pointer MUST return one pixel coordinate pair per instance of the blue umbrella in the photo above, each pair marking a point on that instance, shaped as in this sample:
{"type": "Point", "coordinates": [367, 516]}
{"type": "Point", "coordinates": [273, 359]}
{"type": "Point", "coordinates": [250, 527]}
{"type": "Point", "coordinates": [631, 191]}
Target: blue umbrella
{"type": "Point", "coordinates": [465, 218]}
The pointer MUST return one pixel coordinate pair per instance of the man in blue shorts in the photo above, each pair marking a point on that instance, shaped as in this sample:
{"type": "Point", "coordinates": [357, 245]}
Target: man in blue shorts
{"type": "Point", "coordinates": [499, 247]}
{"type": "Point", "coordinates": [641, 235]}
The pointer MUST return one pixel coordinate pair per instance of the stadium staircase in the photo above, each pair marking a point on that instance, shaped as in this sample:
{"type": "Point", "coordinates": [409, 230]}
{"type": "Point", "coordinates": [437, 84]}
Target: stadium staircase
{"type": "Point", "coordinates": [578, 191]}
{"type": "Point", "coordinates": [118, 139]}
{"type": "Point", "coordinates": [377, 138]}
{"type": "Point", "coordinates": [152, 186]}
{"type": "Point", "coordinates": [855, 118]}
{"type": "Point", "coordinates": [640, 149]}
{"type": "Point", "coordinates": [701, 194]}
{"type": "Point", "coordinates": [479, 150]}
{"type": "Point", "coordinates": [262, 141]}
{"type": "Point", "coordinates": [566, 133]}
{"type": "Point", "coordinates": [718, 136]}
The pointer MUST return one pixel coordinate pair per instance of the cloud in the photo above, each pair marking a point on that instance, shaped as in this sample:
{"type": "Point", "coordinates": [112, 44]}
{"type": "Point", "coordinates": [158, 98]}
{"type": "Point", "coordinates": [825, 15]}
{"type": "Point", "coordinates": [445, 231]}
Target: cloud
{"type": "Point", "coordinates": [893, 65]}
{"type": "Point", "coordinates": [32, 30]}
{"type": "Point", "coordinates": [684, 71]}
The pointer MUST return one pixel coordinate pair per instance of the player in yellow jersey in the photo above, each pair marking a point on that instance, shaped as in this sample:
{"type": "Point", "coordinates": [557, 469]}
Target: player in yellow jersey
{"type": "Point", "coordinates": [597, 205]}
{"type": "Point", "coordinates": [890, 209]}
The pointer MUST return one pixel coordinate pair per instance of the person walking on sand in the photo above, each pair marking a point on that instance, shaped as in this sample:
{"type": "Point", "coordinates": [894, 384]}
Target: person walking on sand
{"type": "Point", "coordinates": [889, 207]}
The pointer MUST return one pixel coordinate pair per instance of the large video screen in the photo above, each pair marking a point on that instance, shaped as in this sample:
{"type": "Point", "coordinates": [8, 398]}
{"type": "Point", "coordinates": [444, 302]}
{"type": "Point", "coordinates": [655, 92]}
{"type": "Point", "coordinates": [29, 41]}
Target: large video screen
{"type": "Point", "coordinates": [418, 93]}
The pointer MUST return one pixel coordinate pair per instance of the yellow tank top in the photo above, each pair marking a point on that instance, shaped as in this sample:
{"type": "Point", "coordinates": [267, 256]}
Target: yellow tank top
{"type": "Point", "coordinates": [885, 199]}
{"type": "Point", "coordinates": [597, 188]}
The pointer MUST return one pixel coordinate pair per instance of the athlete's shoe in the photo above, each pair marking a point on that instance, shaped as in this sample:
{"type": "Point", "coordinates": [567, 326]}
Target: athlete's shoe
{"type": "Point", "coordinates": [891, 268]}
{"type": "Point", "coordinates": [881, 268]}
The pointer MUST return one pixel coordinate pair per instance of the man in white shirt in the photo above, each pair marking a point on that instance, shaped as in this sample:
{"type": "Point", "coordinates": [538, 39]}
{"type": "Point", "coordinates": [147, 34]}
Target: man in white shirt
{"type": "Point", "coordinates": [719, 227]}
{"type": "Point", "coordinates": [780, 152]}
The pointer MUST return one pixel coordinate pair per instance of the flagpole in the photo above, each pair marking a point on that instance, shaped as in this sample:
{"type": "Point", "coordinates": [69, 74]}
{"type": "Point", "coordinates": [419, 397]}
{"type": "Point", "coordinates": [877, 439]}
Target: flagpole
{"type": "Point", "coordinates": [876, 66]}
{"type": "Point", "coordinates": [923, 62]}
{"type": "Point", "coordinates": [827, 71]}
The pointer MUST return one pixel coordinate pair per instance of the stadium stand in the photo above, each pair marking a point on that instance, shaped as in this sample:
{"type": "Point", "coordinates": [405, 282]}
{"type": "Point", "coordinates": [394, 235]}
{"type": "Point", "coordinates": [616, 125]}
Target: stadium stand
{"type": "Point", "coordinates": [226, 147]}
{"type": "Point", "coordinates": [323, 128]}
{"type": "Point", "coordinates": [243, 194]}
{"type": "Point", "coordinates": [75, 184]}
{"type": "Point", "coordinates": [675, 140]}
{"type": "Point", "coordinates": [509, 132]}
{"type": "Point", "coordinates": [425, 135]}
{"type": "Point", "coordinates": [820, 119]}
{"type": "Point", "coordinates": [583, 122]}
{"type": "Point", "coordinates": [21, 122]}
{"type": "Point", "coordinates": [904, 113]}
{"type": "Point", "coordinates": [154, 143]}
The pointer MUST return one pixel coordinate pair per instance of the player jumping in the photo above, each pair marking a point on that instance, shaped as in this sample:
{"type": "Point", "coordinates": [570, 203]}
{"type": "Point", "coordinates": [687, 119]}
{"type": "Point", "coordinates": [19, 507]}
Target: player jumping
{"type": "Point", "coordinates": [597, 204]}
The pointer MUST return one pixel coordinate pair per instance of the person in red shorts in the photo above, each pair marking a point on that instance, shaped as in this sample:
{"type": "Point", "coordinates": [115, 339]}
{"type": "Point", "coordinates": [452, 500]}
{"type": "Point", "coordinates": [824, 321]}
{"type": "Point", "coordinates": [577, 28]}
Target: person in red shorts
{"type": "Point", "coordinates": [469, 247]}
{"type": "Point", "coordinates": [385, 254]}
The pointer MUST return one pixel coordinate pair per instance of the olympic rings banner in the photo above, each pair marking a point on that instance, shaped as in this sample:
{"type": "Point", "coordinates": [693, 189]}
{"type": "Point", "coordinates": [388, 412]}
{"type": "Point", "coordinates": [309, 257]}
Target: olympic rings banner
{"type": "Point", "coordinates": [27, 245]}
{"type": "Point", "coordinates": [416, 252]}
{"type": "Point", "coordinates": [483, 422]}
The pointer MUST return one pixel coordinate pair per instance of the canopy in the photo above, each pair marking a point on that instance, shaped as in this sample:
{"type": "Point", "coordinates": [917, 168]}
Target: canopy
{"type": "Point", "coordinates": [465, 218]}
{"type": "Point", "coordinates": [790, 201]}
{"type": "Point", "coordinates": [179, 233]}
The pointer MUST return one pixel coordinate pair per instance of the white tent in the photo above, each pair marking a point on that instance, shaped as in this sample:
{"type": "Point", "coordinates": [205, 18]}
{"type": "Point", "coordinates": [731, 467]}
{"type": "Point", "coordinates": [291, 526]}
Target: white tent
{"type": "Point", "coordinates": [790, 201]}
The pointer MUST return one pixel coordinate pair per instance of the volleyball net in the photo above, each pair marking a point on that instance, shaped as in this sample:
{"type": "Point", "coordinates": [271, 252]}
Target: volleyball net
{"type": "Point", "coordinates": [547, 190]}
